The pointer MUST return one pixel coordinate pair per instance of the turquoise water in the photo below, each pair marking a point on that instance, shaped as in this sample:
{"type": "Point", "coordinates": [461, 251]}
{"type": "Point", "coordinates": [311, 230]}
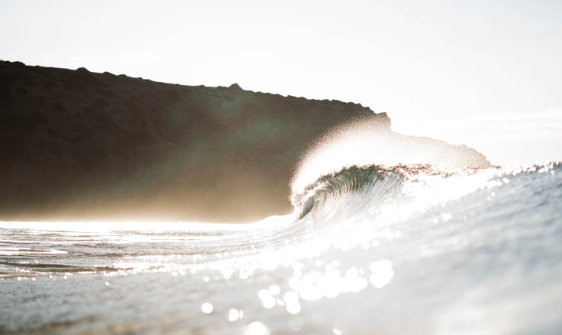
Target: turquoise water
{"type": "Point", "coordinates": [402, 250]}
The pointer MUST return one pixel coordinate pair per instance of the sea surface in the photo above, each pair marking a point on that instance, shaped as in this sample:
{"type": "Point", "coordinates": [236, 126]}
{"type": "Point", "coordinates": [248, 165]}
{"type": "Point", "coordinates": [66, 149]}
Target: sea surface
{"type": "Point", "coordinates": [368, 250]}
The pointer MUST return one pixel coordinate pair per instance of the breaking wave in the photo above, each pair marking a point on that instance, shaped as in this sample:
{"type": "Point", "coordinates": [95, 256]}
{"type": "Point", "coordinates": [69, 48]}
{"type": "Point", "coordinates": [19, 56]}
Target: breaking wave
{"type": "Point", "coordinates": [407, 230]}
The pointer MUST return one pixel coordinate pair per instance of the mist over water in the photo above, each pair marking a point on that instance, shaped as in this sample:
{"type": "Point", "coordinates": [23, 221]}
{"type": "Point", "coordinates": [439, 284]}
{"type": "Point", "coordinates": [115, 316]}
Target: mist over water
{"type": "Point", "coordinates": [364, 143]}
{"type": "Point", "coordinates": [377, 243]}
{"type": "Point", "coordinates": [507, 139]}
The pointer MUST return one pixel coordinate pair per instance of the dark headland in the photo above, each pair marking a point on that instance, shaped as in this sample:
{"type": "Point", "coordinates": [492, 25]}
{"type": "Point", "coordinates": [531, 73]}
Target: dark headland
{"type": "Point", "coordinates": [83, 145]}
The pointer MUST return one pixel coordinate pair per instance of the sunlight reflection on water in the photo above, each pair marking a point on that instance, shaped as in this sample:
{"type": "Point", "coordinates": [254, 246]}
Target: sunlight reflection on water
{"type": "Point", "coordinates": [465, 249]}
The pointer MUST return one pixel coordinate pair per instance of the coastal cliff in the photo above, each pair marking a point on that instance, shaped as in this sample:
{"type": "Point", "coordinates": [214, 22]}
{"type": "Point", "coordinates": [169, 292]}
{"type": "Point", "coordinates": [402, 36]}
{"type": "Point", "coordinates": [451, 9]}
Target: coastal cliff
{"type": "Point", "coordinates": [83, 145]}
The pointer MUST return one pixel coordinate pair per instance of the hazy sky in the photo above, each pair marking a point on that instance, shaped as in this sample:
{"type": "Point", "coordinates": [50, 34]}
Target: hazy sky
{"type": "Point", "coordinates": [484, 73]}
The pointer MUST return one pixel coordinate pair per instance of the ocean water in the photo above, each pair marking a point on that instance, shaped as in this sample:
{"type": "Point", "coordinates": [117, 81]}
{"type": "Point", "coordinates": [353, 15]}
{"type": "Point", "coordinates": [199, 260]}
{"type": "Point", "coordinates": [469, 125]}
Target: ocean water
{"type": "Point", "coordinates": [368, 250]}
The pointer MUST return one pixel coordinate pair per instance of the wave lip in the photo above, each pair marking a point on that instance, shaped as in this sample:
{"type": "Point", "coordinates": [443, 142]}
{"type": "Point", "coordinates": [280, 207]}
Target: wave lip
{"type": "Point", "coordinates": [363, 143]}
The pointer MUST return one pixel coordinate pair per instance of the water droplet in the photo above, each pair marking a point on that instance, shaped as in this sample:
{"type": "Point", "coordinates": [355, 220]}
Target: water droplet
{"type": "Point", "coordinates": [293, 307]}
{"type": "Point", "coordinates": [274, 289]}
{"type": "Point", "coordinates": [257, 328]}
{"type": "Point", "coordinates": [207, 308]}
{"type": "Point", "coordinates": [233, 314]}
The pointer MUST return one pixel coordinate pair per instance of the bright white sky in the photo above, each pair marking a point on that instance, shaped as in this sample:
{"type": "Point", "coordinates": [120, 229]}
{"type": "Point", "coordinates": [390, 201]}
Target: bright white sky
{"type": "Point", "coordinates": [483, 73]}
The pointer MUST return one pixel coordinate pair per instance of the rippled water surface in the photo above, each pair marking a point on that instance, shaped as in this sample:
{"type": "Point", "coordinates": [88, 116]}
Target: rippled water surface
{"type": "Point", "coordinates": [475, 252]}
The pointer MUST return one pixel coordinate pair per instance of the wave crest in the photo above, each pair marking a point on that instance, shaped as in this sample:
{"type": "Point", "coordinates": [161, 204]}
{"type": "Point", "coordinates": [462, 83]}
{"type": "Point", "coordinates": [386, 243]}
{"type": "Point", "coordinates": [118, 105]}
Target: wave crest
{"type": "Point", "coordinates": [331, 188]}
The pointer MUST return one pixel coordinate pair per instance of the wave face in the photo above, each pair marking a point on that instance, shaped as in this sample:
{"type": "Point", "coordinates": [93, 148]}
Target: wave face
{"type": "Point", "coordinates": [329, 191]}
{"type": "Point", "coordinates": [368, 246]}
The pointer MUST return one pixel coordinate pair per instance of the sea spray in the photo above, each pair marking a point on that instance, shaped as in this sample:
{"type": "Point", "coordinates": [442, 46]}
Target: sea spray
{"type": "Point", "coordinates": [364, 143]}
{"type": "Point", "coordinates": [415, 245]}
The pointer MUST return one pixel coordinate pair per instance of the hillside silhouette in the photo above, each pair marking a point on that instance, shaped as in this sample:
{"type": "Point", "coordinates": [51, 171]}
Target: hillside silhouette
{"type": "Point", "coordinates": [81, 145]}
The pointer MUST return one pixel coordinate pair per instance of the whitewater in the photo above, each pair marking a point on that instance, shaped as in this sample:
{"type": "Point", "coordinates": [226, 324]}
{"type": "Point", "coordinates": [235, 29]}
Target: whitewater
{"type": "Point", "coordinates": [389, 234]}
{"type": "Point", "coordinates": [405, 249]}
